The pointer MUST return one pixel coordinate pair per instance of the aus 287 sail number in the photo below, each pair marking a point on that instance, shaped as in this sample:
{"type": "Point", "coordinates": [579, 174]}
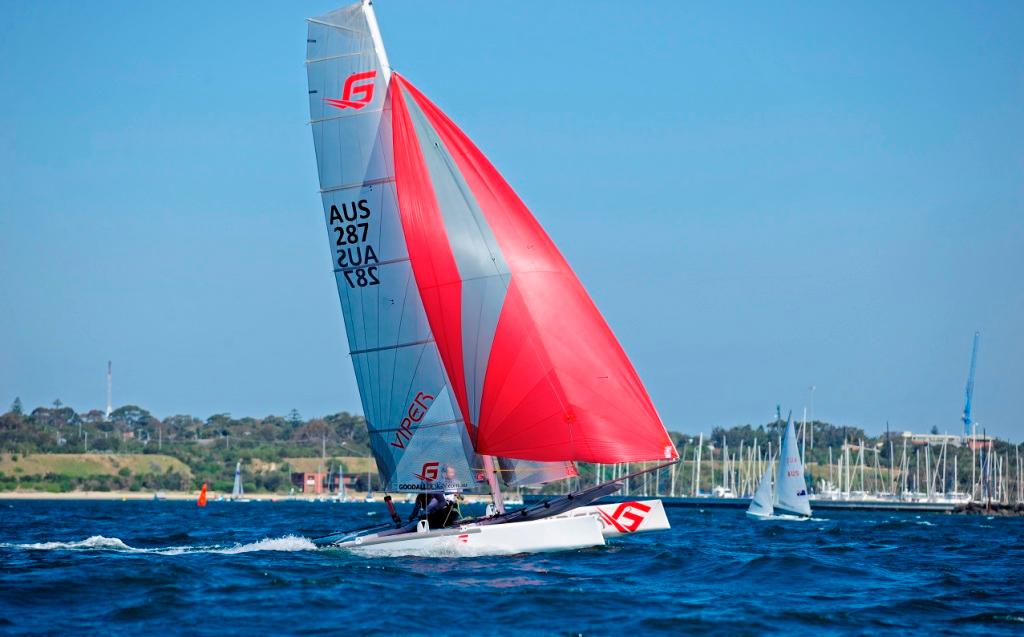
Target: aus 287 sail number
{"type": "Point", "coordinates": [350, 226]}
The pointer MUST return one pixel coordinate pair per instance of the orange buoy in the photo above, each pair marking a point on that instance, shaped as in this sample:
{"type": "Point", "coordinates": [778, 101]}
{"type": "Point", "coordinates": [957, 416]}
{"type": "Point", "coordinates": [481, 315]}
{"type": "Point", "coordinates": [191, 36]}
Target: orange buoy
{"type": "Point", "coordinates": [202, 497]}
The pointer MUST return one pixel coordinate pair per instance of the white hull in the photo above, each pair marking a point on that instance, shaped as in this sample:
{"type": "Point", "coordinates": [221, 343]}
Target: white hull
{"type": "Point", "coordinates": [535, 536]}
{"type": "Point", "coordinates": [776, 516]}
{"type": "Point", "coordinates": [625, 518]}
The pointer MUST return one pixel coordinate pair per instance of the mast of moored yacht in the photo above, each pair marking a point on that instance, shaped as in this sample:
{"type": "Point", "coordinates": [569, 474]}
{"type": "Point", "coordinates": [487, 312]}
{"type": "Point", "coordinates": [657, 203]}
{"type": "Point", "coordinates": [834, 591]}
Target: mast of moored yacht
{"type": "Point", "coordinates": [699, 451]}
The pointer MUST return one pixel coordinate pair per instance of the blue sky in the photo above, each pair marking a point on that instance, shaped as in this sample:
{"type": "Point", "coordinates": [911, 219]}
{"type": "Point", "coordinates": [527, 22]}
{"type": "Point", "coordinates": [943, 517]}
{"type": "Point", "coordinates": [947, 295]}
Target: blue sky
{"type": "Point", "coordinates": [759, 198]}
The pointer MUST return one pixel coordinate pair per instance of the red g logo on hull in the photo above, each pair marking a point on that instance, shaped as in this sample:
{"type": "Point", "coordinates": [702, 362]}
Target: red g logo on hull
{"type": "Point", "coordinates": [627, 517]}
{"type": "Point", "coordinates": [357, 92]}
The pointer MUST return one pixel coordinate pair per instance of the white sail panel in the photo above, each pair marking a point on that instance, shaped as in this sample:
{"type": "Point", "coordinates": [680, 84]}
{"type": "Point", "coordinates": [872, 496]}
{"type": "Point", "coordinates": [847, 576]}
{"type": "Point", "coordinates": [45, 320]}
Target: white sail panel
{"type": "Point", "coordinates": [761, 504]}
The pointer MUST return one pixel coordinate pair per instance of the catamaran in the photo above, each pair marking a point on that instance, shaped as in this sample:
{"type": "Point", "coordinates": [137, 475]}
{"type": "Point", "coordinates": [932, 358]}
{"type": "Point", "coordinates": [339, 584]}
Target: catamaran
{"type": "Point", "coordinates": [481, 361]}
{"type": "Point", "coordinates": [789, 499]}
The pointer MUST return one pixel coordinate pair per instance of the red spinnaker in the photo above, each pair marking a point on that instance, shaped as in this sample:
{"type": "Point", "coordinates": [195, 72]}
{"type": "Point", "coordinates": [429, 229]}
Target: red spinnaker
{"type": "Point", "coordinates": [535, 368]}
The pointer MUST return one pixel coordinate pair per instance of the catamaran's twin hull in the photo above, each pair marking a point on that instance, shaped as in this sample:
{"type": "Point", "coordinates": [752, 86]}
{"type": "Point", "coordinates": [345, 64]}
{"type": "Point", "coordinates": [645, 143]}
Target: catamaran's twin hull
{"type": "Point", "coordinates": [576, 529]}
{"type": "Point", "coordinates": [624, 518]}
{"type": "Point", "coordinates": [535, 536]}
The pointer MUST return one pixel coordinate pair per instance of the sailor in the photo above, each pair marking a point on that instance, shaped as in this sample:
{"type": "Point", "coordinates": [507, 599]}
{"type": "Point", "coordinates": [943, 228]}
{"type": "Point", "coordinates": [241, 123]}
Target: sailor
{"type": "Point", "coordinates": [441, 508]}
{"type": "Point", "coordinates": [453, 491]}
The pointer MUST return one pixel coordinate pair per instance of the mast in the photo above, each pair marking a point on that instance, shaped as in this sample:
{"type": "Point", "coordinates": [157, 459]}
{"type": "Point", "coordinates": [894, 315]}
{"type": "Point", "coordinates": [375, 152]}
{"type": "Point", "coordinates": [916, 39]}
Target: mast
{"type": "Point", "coordinates": [110, 389]}
{"type": "Point", "coordinates": [969, 390]}
{"type": "Point", "coordinates": [928, 470]}
{"type": "Point", "coordinates": [803, 438]}
{"type": "Point", "coordinates": [494, 484]}
{"type": "Point", "coordinates": [904, 467]}
{"type": "Point", "coordinates": [846, 465]}
{"type": "Point", "coordinates": [861, 454]}
{"type": "Point", "coordinates": [700, 448]}
{"type": "Point", "coordinates": [830, 478]}
{"type": "Point", "coordinates": [892, 469]}
{"type": "Point", "coordinates": [956, 479]}
{"type": "Point", "coordinates": [974, 454]}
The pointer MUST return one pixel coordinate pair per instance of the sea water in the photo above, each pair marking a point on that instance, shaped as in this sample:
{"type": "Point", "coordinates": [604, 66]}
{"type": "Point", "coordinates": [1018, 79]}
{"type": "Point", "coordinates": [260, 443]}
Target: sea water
{"type": "Point", "coordinates": [168, 568]}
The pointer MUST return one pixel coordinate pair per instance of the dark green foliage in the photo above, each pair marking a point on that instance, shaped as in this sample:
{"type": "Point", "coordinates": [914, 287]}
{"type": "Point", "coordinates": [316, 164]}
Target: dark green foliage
{"type": "Point", "coordinates": [210, 448]}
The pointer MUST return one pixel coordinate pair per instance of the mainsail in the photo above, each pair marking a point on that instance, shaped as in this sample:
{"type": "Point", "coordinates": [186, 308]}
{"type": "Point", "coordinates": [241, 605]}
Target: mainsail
{"type": "Point", "coordinates": [790, 488]}
{"type": "Point", "coordinates": [416, 430]}
{"type": "Point", "coordinates": [532, 365]}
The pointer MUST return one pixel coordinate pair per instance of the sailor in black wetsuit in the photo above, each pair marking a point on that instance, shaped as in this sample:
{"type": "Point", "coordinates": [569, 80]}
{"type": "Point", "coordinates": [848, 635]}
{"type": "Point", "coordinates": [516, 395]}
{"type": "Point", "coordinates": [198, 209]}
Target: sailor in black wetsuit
{"type": "Point", "coordinates": [438, 509]}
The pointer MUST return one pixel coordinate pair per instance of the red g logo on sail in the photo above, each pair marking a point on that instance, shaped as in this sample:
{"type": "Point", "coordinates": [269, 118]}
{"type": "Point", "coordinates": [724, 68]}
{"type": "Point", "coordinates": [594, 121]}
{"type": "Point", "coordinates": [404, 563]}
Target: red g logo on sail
{"type": "Point", "coordinates": [627, 517]}
{"type": "Point", "coordinates": [357, 92]}
{"type": "Point", "coordinates": [428, 473]}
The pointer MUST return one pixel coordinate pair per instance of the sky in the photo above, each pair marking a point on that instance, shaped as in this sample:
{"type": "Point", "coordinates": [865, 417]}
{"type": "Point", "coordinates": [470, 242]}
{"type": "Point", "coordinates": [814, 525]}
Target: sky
{"type": "Point", "coordinates": [760, 198]}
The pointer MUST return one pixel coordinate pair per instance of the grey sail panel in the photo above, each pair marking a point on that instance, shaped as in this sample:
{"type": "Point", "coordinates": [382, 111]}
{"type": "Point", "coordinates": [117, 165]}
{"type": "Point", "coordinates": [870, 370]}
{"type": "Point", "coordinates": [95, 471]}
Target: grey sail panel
{"type": "Point", "coordinates": [417, 435]}
{"type": "Point", "coordinates": [526, 473]}
{"type": "Point", "coordinates": [790, 488]}
{"type": "Point", "coordinates": [761, 504]}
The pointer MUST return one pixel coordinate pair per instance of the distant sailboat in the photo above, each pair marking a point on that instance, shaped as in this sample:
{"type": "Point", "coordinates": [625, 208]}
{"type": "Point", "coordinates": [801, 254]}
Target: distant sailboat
{"type": "Point", "coordinates": [789, 499]}
{"type": "Point", "coordinates": [369, 490]}
{"type": "Point", "coordinates": [237, 491]}
{"type": "Point", "coordinates": [342, 496]}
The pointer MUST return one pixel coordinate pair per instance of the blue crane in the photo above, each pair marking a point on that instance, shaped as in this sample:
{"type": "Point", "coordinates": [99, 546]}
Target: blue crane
{"type": "Point", "coordinates": [969, 392]}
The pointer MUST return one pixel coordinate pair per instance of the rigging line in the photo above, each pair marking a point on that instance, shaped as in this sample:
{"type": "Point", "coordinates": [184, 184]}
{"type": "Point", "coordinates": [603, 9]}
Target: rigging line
{"type": "Point", "coordinates": [331, 25]}
{"type": "Point", "coordinates": [359, 184]}
{"type": "Point", "coordinates": [329, 58]}
{"type": "Point", "coordinates": [370, 350]}
{"type": "Point", "coordinates": [365, 265]}
{"type": "Point", "coordinates": [343, 115]}
{"type": "Point", "coordinates": [441, 423]}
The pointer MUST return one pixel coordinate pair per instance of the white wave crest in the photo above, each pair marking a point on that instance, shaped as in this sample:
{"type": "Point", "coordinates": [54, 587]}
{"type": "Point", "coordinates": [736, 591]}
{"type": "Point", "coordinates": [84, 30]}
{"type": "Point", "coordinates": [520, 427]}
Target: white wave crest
{"type": "Point", "coordinates": [286, 543]}
{"type": "Point", "coordinates": [101, 543]}
{"type": "Point", "coordinates": [96, 542]}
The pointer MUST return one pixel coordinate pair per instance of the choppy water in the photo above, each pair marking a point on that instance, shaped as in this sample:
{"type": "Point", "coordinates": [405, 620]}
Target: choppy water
{"type": "Point", "coordinates": [170, 568]}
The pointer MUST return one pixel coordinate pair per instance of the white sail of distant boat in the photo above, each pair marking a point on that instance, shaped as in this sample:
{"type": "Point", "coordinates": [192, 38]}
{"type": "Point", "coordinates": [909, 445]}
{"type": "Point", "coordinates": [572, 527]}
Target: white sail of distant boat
{"type": "Point", "coordinates": [342, 496]}
{"type": "Point", "coordinates": [237, 491]}
{"type": "Point", "coordinates": [369, 489]}
{"type": "Point", "coordinates": [790, 488]}
{"type": "Point", "coordinates": [761, 504]}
